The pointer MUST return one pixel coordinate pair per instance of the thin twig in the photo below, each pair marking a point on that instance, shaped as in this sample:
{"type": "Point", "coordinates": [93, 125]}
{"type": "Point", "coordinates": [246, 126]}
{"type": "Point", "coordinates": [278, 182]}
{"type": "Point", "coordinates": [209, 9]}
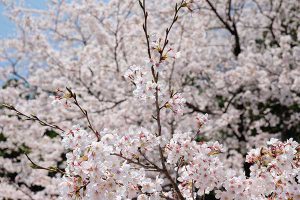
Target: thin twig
{"type": "Point", "coordinates": [152, 163]}
{"type": "Point", "coordinates": [51, 169]}
{"type": "Point", "coordinates": [84, 112]}
{"type": "Point", "coordinates": [156, 78]}
{"type": "Point", "coordinates": [137, 162]}
{"type": "Point", "coordinates": [32, 117]}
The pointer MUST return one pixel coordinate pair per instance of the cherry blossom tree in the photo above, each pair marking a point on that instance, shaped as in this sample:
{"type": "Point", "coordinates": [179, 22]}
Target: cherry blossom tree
{"type": "Point", "coordinates": [237, 61]}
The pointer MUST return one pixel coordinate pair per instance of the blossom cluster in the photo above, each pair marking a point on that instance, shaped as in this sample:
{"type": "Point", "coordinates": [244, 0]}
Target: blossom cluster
{"type": "Point", "coordinates": [123, 166]}
{"type": "Point", "coordinates": [145, 78]}
{"type": "Point", "coordinates": [274, 174]}
{"type": "Point", "coordinates": [245, 76]}
{"type": "Point", "coordinates": [145, 87]}
{"type": "Point", "coordinates": [176, 103]}
{"type": "Point", "coordinates": [202, 120]}
{"type": "Point", "coordinates": [198, 166]}
{"type": "Point", "coordinates": [95, 169]}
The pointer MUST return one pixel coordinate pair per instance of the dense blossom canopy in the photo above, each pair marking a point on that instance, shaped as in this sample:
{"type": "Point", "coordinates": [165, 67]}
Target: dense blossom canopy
{"type": "Point", "coordinates": [152, 86]}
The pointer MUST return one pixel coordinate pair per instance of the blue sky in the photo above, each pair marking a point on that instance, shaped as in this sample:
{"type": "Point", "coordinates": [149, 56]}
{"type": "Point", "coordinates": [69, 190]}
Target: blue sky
{"type": "Point", "coordinates": [7, 28]}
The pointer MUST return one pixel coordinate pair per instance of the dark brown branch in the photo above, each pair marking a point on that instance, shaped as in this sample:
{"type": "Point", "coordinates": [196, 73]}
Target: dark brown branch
{"type": "Point", "coordinates": [193, 186]}
{"type": "Point", "coordinates": [179, 164]}
{"type": "Point", "coordinates": [137, 162]}
{"type": "Point", "coordinates": [227, 26]}
{"type": "Point", "coordinates": [18, 187]}
{"type": "Point", "coordinates": [272, 32]}
{"type": "Point", "coordinates": [232, 29]}
{"type": "Point", "coordinates": [51, 169]}
{"type": "Point", "coordinates": [81, 187]}
{"type": "Point", "coordinates": [149, 161]}
{"type": "Point", "coordinates": [116, 40]}
{"type": "Point", "coordinates": [14, 70]}
{"type": "Point", "coordinates": [111, 107]}
{"type": "Point", "coordinates": [167, 174]}
{"type": "Point", "coordinates": [232, 98]}
{"type": "Point", "coordinates": [84, 112]}
{"type": "Point", "coordinates": [145, 27]}
{"type": "Point", "coordinates": [271, 18]}
{"type": "Point", "coordinates": [32, 117]}
{"type": "Point", "coordinates": [156, 78]}
{"type": "Point", "coordinates": [229, 10]}
{"type": "Point", "coordinates": [197, 109]}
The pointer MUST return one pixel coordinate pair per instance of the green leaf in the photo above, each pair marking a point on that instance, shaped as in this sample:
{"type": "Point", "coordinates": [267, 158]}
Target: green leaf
{"type": "Point", "coordinates": [2, 137]}
{"type": "Point", "coordinates": [24, 149]}
{"type": "Point", "coordinates": [51, 133]}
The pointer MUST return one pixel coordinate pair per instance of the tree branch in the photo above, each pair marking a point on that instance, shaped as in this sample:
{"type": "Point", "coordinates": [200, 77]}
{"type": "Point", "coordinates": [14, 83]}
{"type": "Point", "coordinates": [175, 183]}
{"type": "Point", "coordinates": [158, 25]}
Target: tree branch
{"type": "Point", "coordinates": [85, 113]}
{"type": "Point", "coordinates": [32, 117]}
